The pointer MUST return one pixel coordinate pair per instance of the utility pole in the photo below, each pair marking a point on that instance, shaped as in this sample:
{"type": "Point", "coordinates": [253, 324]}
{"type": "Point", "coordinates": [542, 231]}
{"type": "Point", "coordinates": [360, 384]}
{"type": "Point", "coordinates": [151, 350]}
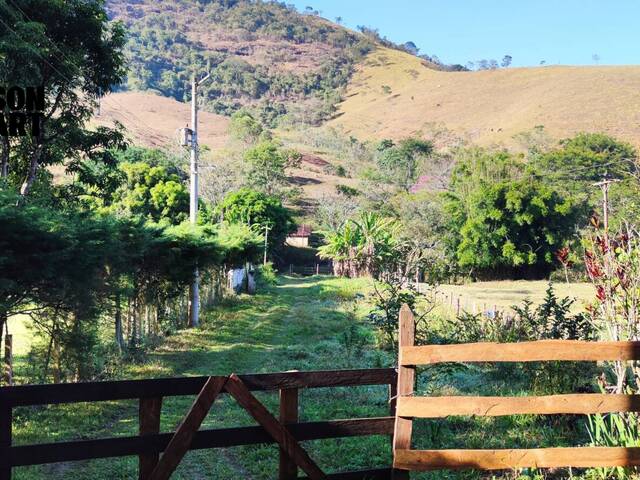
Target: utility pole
{"type": "Point", "coordinates": [194, 306]}
{"type": "Point", "coordinates": [604, 186]}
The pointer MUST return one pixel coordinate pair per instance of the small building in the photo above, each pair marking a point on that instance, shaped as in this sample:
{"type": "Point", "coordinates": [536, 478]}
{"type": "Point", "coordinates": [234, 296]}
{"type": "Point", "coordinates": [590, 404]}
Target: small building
{"type": "Point", "coordinates": [299, 238]}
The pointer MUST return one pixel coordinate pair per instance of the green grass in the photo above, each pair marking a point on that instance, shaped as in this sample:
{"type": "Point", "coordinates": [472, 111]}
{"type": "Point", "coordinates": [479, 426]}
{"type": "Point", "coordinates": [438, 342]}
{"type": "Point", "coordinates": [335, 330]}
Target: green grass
{"type": "Point", "coordinates": [303, 324]}
{"type": "Point", "coordinates": [505, 294]}
{"type": "Point", "coordinates": [298, 324]}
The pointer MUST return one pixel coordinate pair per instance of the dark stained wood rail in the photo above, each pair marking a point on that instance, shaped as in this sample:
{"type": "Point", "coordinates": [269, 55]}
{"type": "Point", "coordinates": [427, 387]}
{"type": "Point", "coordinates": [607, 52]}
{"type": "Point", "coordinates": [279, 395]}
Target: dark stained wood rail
{"type": "Point", "coordinates": [409, 407]}
{"type": "Point", "coordinates": [150, 444]}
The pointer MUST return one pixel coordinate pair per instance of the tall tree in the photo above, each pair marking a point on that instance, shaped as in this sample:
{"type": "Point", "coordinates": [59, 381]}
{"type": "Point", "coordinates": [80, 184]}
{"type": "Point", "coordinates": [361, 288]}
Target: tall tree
{"type": "Point", "coordinates": [400, 163]}
{"type": "Point", "coordinates": [72, 50]}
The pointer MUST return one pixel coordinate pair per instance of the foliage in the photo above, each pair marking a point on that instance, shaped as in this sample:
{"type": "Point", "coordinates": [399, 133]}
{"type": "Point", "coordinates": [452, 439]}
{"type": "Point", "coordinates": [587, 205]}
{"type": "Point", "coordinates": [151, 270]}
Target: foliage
{"type": "Point", "coordinates": [266, 274]}
{"type": "Point", "coordinates": [244, 127]}
{"type": "Point", "coordinates": [363, 246]}
{"type": "Point", "coordinates": [73, 50]}
{"type": "Point", "coordinates": [423, 235]}
{"type": "Point", "coordinates": [615, 430]}
{"type": "Point", "coordinates": [588, 158]}
{"type": "Point", "coordinates": [400, 163]}
{"type": "Point", "coordinates": [508, 225]}
{"type": "Point", "coordinates": [551, 320]}
{"type": "Point", "coordinates": [163, 57]}
{"type": "Point", "coordinates": [613, 266]}
{"type": "Point", "coordinates": [152, 193]}
{"type": "Point", "coordinates": [267, 163]}
{"type": "Point", "coordinates": [388, 298]}
{"type": "Point", "coordinates": [253, 208]}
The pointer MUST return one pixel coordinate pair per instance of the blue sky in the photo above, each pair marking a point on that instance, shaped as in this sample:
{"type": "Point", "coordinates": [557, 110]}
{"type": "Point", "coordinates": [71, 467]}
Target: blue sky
{"type": "Point", "coordinates": [566, 32]}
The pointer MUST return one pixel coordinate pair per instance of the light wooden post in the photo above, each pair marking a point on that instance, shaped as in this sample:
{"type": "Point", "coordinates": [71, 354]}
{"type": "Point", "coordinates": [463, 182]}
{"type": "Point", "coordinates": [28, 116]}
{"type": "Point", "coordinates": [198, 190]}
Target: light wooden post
{"type": "Point", "coordinates": [288, 469]}
{"type": "Point", "coordinates": [5, 441]}
{"type": "Point", "coordinates": [149, 418]}
{"type": "Point", "coordinates": [406, 379]}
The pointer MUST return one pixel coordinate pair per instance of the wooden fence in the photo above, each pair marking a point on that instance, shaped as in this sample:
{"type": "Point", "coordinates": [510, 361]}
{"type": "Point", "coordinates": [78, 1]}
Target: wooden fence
{"type": "Point", "coordinates": [307, 270]}
{"type": "Point", "coordinates": [410, 407]}
{"type": "Point", "coordinates": [150, 442]}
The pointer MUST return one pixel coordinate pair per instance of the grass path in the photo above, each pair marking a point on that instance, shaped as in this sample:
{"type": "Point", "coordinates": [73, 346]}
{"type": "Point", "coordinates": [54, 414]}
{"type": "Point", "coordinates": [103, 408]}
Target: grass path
{"type": "Point", "coordinates": [298, 324]}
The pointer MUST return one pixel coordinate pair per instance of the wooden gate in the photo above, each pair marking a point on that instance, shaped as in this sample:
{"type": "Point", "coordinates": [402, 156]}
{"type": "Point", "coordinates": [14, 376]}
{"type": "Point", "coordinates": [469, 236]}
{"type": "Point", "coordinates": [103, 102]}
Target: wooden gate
{"type": "Point", "coordinates": [160, 453]}
{"type": "Point", "coordinates": [409, 407]}
{"type": "Point", "coordinates": [182, 438]}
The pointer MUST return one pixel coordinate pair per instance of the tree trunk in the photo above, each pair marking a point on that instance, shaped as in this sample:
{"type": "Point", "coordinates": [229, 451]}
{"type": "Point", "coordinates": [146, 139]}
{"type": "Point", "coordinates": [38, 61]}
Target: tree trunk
{"type": "Point", "coordinates": [33, 171]}
{"type": "Point", "coordinates": [119, 335]}
{"type": "Point", "coordinates": [4, 158]}
{"type": "Point", "coordinates": [57, 362]}
{"type": "Point", "coordinates": [3, 323]}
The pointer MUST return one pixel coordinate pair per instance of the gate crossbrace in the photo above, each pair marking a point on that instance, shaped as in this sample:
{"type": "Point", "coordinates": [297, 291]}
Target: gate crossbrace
{"type": "Point", "coordinates": [236, 387]}
{"type": "Point", "coordinates": [182, 438]}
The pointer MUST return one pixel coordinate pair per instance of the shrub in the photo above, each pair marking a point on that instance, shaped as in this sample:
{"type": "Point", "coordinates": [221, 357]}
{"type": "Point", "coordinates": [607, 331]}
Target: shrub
{"type": "Point", "coordinates": [266, 275]}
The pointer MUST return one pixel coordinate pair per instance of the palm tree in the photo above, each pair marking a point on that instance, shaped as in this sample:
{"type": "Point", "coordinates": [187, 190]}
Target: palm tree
{"type": "Point", "coordinates": [361, 247]}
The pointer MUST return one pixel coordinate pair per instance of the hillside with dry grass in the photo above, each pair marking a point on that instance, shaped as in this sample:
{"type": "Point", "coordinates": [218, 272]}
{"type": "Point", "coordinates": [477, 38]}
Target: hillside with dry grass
{"type": "Point", "coordinates": [153, 120]}
{"type": "Point", "coordinates": [394, 94]}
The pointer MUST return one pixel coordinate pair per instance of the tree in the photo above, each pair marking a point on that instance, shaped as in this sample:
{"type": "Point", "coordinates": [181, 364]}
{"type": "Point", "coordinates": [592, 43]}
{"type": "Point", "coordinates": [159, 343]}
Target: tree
{"type": "Point", "coordinates": [251, 207]}
{"type": "Point", "coordinates": [400, 163]}
{"type": "Point", "coordinates": [587, 158]}
{"type": "Point", "coordinates": [267, 163]}
{"type": "Point", "coordinates": [513, 227]}
{"type": "Point", "coordinates": [364, 246]}
{"type": "Point", "coordinates": [596, 58]}
{"type": "Point", "coordinates": [506, 61]}
{"type": "Point", "coordinates": [245, 127]}
{"type": "Point", "coordinates": [411, 48]}
{"type": "Point", "coordinates": [73, 50]}
{"type": "Point", "coordinates": [152, 193]}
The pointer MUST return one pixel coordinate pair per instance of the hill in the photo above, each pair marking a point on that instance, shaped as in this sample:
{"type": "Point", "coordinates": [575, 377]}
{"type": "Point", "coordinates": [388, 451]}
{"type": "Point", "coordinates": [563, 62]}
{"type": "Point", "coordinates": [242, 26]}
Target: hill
{"type": "Point", "coordinates": [153, 120]}
{"type": "Point", "coordinates": [265, 56]}
{"type": "Point", "coordinates": [393, 94]}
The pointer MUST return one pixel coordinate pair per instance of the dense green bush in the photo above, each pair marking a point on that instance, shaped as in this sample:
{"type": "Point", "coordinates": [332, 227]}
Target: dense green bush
{"type": "Point", "coordinates": [551, 320]}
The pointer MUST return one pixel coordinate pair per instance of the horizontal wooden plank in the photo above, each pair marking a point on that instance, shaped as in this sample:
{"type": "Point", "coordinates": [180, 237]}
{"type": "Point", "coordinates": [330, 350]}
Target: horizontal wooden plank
{"type": "Point", "coordinates": [218, 438]}
{"type": "Point", "coordinates": [439, 407]}
{"type": "Point", "coordinates": [166, 387]}
{"type": "Point", "coordinates": [582, 457]}
{"type": "Point", "coordinates": [542, 350]}
{"type": "Point", "coordinates": [376, 474]}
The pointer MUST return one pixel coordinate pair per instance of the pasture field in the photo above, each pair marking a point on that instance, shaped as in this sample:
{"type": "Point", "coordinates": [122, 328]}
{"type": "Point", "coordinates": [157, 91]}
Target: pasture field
{"type": "Point", "coordinates": [484, 296]}
{"type": "Point", "coordinates": [393, 95]}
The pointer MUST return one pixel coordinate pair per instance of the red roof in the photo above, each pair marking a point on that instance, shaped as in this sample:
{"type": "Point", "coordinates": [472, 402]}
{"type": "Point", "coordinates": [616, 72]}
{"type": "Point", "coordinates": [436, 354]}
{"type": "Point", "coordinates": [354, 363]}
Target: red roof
{"type": "Point", "coordinates": [303, 231]}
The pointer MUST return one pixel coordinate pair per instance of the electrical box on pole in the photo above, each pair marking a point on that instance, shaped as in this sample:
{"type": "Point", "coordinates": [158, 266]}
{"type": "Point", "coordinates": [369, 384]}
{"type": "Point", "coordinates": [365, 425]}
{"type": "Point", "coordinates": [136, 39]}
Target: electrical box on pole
{"type": "Point", "coordinates": [186, 137]}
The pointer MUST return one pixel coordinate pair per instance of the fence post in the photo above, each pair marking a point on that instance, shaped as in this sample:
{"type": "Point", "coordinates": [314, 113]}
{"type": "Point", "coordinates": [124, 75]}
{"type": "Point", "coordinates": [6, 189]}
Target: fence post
{"type": "Point", "coordinates": [288, 469]}
{"type": "Point", "coordinates": [5, 440]}
{"type": "Point", "coordinates": [149, 418]}
{"type": "Point", "coordinates": [406, 380]}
